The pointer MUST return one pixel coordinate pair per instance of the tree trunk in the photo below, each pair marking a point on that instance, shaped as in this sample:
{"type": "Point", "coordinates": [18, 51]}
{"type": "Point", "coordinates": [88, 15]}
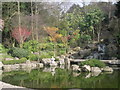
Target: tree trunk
{"type": "Point", "coordinates": [93, 34]}
{"type": "Point", "coordinates": [36, 21]}
{"type": "Point", "coordinates": [32, 20]}
{"type": "Point", "coordinates": [83, 2]}
{"type": "Point", "coordinates": [109, 10]}
{"type": "Point", "coordinates": [0, 17]}
{"type": "Point", "coordinates": [19, 24]}
{"type": "Point", "coordinates": [66, 41]}
{"type": "Point", "coordinates": [99, 31]}
{"type": "Point", "coordinates": [118, 21]}
{"type": "Point", "coordinates": [54, 49]}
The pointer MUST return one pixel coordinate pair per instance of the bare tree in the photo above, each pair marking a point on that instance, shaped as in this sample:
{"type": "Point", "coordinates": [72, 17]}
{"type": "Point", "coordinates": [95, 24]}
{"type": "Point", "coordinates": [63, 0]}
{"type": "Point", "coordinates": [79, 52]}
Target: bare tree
{"type": "Point", "coordinates": [32, 20]}
{"type": "Point", "coordinates": [36, 21]}
{"type": "Point", "coordinates": [19, 21]}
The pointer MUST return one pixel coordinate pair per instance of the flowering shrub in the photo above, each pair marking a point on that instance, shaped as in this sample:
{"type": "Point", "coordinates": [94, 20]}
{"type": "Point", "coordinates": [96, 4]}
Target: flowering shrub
{"type": "Point", "coordinates": [20, 34]}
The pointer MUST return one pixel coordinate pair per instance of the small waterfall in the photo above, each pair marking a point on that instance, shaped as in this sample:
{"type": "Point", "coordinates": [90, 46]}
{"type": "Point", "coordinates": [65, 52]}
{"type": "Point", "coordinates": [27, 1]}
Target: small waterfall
{"type": "Point", "coordinates": [101, 48]}
{"type": "Point", "coordinates": [99, 53]}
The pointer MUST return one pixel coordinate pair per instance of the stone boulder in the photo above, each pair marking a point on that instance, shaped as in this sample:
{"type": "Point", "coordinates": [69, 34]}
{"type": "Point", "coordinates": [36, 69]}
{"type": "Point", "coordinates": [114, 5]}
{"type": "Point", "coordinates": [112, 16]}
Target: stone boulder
{"type": "Point", "coordinates": [7, 67]}
{"type": "Point", "coordinates": [46, 61]}
{"type": "Point", "coordinates": [11, 67]}
{"type": "Point", "coordinates": [111, 50]}
{"type": "Point", "coordinates": [76, 49]}
{"type": "Point", "coordinates": [76, 68]}
{"type": "Point", "coordinates": [33, 65]}
{"type": "Point", "coordinates": [30, 65]}
{"type": "Point", "coordinates": [107, 69]}
{"type": "Point", "coordinates": [36, 53]}
{"type": "Point", "coordinates": [75, 56]}
{"type": "Point", "coordinates": [23, 66]}
{"type": "Point", "coordinates": [61, 61]}
{"type": "Point", "coordinates": [39, 65]}
{"type": "Point", "coordinates": [93, 47]}
{"type": "Point", "coordinates": [95, 69]}
{"type": "Point", "coordinates": [15, 67]}
{"type": "Point", "coordinates": [84, 53]}
{"type": "Point", "coordinates": [16, 58]}
{"type": "Point", "coordinates": [1, 65]}
{"type": "Point", "coordinates": [7, 59]}
{"type": "Point", "coordinates": [53, 63]}
{"type": "Point", "coordinates": [86, 68]}
{"type": "Point", "coordinates": [28, 62]}
{"type": "Point", "coordinates": [71, 52]}
{"type": "Point", "coordinates": [95, 73]}
{"type": "Point", "coordinates": [62, 56]}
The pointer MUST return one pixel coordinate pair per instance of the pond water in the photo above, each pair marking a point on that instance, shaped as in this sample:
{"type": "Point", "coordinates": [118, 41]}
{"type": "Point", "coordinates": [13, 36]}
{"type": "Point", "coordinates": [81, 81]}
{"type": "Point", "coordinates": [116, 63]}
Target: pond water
{"type": "Point", "coordinates": [61, 78]}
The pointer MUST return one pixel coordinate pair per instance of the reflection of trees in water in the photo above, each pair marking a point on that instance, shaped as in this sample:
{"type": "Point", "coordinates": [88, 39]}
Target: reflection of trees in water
{"type": "Point", "coordinates": [1, 74]}
{"type": "Point", "coordinates": [62, 79]}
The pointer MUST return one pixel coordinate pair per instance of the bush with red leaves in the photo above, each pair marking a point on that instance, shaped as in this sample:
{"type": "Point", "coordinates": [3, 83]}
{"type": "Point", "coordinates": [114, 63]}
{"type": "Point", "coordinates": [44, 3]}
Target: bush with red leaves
{"type": "Point", "coordinates": [20, 34]}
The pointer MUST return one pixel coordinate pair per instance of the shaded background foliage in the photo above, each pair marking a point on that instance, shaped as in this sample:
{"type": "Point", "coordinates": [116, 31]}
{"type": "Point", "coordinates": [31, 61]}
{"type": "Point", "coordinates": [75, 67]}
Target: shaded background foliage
{"type": "Point", "coordinates": [76, 25]}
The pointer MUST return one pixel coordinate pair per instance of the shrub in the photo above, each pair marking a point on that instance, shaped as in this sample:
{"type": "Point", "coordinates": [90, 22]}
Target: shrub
{"type": "Point", "coordinates": [50, 46]}
{"type": "Point", "coordinates": [85, 38]}
{"type": "Point", "coordinates": [46, 46]}
{"type": "Point", "coordinates": [18, 52]}
{"type": "Point", "coordinates": [2, 49]}
{"type": "Point", "coordinates": [31, 45]}
{"type": "Point", "coordinates": [93, 63]}
{"type": "Point", "coordinates": [60, 45]}
{"type": "Point", "coordinates": [33, 57]}
{"type": "Point", "coordinates": [20, 34]}
{"type": "Point", "coordinates": [45, 55]}
{"type": "Point", "coordinates": [22, 60]}
{"type": "Point", "coordinates": [61, 52]}
{"type": "Point", "coordinates": [51, 53]}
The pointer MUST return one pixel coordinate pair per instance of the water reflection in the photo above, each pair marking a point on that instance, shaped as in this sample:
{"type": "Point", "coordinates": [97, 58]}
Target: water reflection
{"type": "Point", "coordinates": [75, 74]}
{"type": "Point", "coordinates": [88, 75]}
{"type": "Point", "coordinates": [1, 74]}
{"type": "Point", "coordinates": [62, 66]}
{"type": "Point", "coordinates": [50, 77]}
{"type": "Point", "coordinates": [50, 69]}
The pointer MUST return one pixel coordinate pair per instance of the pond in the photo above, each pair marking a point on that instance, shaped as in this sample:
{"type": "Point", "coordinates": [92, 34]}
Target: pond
{"type": "Point", "coordinates": [61, 78]}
